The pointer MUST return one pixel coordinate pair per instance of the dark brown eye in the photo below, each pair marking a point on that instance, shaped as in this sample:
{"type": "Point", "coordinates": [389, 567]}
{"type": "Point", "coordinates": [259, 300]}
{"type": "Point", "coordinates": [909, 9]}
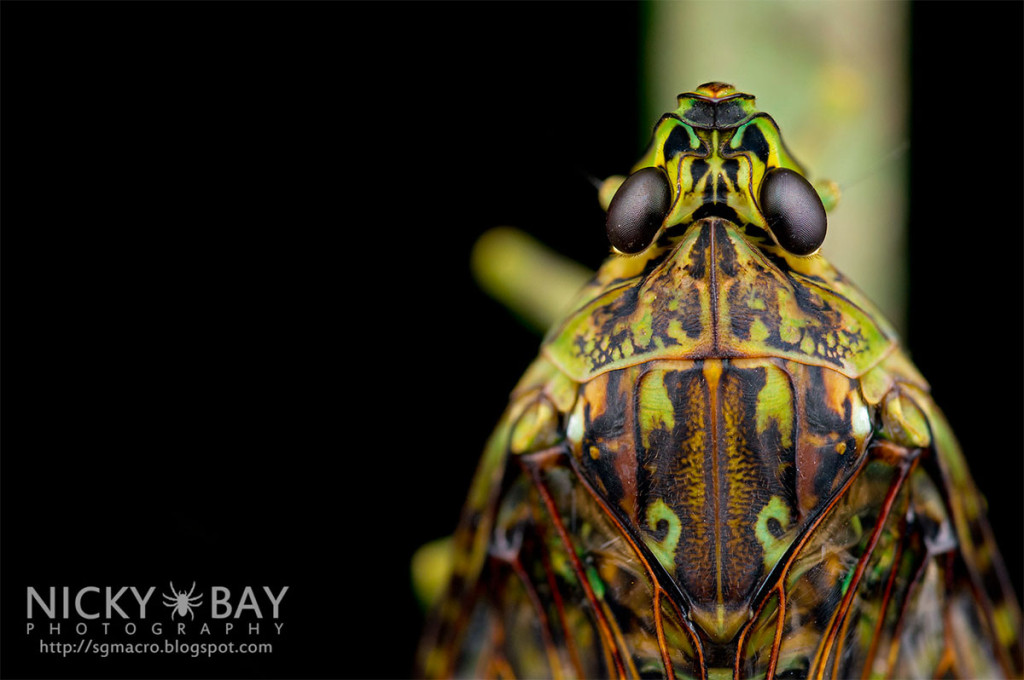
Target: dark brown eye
{"type": "Point", "coordinates": [637, 210]}
{"type": "Point", "coordinates": [793, 210]}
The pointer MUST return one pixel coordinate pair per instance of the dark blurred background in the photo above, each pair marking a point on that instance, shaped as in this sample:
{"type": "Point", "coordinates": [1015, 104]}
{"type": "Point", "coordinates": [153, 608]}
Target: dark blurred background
{"type": "Point", "coordinates": [241, 341]}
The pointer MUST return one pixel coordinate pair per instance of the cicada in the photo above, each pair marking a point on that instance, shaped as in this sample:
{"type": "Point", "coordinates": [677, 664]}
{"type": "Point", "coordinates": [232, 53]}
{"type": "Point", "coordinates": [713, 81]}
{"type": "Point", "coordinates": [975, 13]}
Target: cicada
{"type": "Point", "coordinates": [722, 464]}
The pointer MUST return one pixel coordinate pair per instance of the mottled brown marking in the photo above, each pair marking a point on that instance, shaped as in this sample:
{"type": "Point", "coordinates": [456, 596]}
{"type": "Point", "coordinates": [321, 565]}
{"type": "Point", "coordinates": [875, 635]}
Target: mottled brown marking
{"type": "Point", "coordinates": [743, 490]}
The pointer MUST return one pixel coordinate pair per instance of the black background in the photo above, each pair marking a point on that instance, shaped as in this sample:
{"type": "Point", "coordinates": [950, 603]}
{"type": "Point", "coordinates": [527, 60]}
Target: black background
{"type": "Point", "coordinates": [241, 343]}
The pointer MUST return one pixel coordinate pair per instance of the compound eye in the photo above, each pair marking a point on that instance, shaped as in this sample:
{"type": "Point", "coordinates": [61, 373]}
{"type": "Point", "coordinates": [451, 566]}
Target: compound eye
{"type": "Point", "coordinates": [794, 211]}
{"type": "Point", "coordinates": [637, 210]}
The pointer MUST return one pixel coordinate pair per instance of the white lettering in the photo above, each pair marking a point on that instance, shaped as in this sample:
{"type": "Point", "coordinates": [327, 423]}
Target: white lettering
{"type": "Point", "coordinates": [248, 601]}
{"type": "Point", "coordinates": [275, 600]}
{"type": "Point", "coordinates": [143, 600]}
{"type": "Point", "coordinates": [112, 603]}
{"type": "Point", "coordinates": [78, 602]}
{"type": "Point", "coordinates": [48, 610]}
{"type": "Point", "coordinates": [216, 602]}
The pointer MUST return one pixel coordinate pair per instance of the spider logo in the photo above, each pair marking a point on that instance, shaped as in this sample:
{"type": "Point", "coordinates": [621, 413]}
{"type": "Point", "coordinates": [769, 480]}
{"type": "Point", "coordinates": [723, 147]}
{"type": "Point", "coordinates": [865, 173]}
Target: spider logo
{"type": "Point", "coordinates": [181, 602]}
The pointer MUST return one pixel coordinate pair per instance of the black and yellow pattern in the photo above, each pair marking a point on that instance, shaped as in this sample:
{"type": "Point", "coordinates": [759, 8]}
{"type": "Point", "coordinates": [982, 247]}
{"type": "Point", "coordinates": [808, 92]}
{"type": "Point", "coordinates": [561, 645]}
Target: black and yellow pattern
{"type": "Point", "coordinates": [723, 466]}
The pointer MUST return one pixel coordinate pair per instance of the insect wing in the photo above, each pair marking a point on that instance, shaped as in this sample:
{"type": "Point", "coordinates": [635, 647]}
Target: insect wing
{"type": "Point", "coordinates": [985, 604]}
{"type": "Point", "coordinates": [449, 621]}
{"type": "Point", "coordinates": [459, 628]}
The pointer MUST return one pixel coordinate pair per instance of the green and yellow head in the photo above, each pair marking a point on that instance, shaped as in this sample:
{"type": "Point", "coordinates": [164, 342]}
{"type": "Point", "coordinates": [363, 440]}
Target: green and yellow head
{"type": "Point", "coordinates": [716, 155]}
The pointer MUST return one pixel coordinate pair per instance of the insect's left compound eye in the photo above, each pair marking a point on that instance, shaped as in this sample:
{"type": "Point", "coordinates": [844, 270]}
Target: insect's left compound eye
{"type": "Point", "coordinates": [637, 210]}
{"type": "Point", "coordinates": [794, 211]}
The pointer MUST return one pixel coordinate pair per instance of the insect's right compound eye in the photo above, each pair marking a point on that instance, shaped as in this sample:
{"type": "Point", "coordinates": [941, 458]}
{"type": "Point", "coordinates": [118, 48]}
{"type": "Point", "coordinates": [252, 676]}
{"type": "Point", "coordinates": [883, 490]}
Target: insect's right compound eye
{"type": "Point", "coordinates": [637, 210]}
